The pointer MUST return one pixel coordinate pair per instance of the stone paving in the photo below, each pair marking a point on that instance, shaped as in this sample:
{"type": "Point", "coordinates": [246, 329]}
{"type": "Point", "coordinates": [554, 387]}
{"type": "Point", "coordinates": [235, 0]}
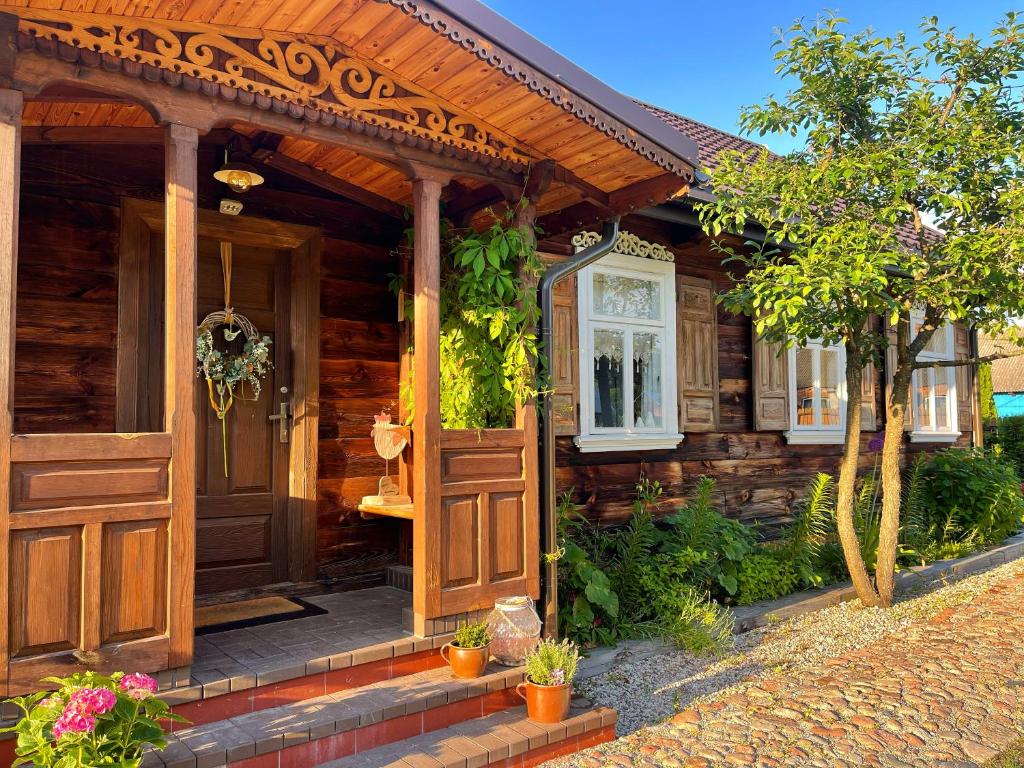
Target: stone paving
{"type": "Point", "coordinates": [948, 692]}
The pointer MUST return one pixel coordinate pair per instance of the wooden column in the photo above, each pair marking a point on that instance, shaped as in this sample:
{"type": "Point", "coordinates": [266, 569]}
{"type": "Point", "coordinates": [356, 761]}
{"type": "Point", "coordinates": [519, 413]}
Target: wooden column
{"type": "Point", "coordinates": [10, 182]}
{"type": "Point", "coordinates": [180, 246]}
{"type": "Point", "coordinates": [426, 428]}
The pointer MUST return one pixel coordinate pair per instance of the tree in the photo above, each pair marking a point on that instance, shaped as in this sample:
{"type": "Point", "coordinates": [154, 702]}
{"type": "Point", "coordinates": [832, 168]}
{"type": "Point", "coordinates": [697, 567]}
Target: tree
{"type": "Point", "coordinates": [895, 134]}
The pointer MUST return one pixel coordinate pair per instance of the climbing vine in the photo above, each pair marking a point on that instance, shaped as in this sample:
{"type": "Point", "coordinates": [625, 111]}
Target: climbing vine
{"type": "Point", "coordinates": [488, 316]}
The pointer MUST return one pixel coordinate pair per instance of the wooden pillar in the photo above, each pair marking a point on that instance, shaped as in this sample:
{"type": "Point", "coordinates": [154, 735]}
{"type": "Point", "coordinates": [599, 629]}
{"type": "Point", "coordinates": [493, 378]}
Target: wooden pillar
{"type": "Point", "coordinates": [180, 246]}
{"type": "Point", "coordinates": [10, 182]}
{"type": "Point", "coordinates": [426, 428]}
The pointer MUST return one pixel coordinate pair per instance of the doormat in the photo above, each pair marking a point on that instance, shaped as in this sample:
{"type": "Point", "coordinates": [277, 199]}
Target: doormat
{"type": "Point", "coordinates": [252, 613]}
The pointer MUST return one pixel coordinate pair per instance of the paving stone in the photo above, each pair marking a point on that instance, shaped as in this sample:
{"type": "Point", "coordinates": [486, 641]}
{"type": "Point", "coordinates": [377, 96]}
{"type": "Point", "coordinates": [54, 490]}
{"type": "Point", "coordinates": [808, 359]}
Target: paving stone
{"type": "Point", "coordinates": [933, 694]}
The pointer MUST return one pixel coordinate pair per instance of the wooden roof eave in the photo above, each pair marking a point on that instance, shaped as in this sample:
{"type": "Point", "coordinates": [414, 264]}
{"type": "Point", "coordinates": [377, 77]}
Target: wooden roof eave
{"type": "Point", "coordinates": [324, 29]}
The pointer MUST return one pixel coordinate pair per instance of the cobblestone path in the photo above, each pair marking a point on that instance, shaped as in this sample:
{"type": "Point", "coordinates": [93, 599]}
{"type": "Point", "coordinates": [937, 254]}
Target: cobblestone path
{"type": "Point", "coordinates": [948, 692]}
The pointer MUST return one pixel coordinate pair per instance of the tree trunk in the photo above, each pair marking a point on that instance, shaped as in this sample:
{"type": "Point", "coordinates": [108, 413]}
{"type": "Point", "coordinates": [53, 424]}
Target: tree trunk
{"type": "Point", "coordinates": [892, 480]}
{"type": "Point", "coordinates": [847, 485]}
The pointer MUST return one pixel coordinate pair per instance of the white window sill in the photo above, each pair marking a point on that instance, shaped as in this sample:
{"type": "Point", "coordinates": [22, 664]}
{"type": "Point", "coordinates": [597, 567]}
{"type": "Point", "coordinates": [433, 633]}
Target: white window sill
{"type": "Point", "coordinates": [934, 437]}
{"type": "Point", "coordinates": [815, 437]}
{"type": "Point", "coordinates": [634, 442]}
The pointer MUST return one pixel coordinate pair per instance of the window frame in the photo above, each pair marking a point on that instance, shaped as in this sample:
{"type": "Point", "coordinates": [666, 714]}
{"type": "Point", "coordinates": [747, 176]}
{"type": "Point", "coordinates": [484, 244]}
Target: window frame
{"type": "Point", "coordinates": [816, 434]}
{"type": "Point", "coordinates": [592, 438]}
{"type": "Point", "coordinates": [929, 434]}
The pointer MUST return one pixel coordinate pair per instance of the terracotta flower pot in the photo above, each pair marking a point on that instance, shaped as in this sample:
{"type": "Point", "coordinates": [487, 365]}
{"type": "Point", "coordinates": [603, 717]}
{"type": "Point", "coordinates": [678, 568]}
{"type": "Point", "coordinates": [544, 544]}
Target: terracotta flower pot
{"type": "Point", "coordinates": [546, 703]}
{"type": "Point", "coordinates": [466, 662]}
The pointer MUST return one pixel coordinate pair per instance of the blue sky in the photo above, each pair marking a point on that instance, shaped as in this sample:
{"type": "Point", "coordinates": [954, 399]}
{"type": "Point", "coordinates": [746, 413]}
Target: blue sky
{"type": "Point", "coordinates": [708, 59]}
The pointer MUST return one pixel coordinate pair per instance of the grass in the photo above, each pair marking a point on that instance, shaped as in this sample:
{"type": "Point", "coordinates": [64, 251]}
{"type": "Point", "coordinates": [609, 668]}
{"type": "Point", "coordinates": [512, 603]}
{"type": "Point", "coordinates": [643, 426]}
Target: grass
{"type": "Point", "coordinates": [1011, 758]}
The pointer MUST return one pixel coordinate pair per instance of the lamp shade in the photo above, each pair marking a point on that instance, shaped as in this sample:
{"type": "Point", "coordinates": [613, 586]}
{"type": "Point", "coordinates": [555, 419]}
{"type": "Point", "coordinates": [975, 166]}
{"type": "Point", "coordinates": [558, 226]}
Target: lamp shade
{"type": "Point", "coordinates": [241, 177]}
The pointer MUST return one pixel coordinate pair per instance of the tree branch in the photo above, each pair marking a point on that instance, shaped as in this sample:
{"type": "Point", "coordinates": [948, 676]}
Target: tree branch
{"type": "Point", "coordinates": [965, 361]}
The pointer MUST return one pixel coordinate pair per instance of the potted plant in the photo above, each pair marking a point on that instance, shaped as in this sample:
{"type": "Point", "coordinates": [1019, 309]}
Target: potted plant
{"type": "Point", "coordinates": [91, 719]}
{"type": "Point", "coordinates": [470, 651]}
{"type": "Point", "coordinates": [550, 669]}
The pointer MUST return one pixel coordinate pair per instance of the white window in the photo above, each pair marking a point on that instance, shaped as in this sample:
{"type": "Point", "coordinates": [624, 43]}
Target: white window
{"type": "Point", "coordinates": [627, 331]}
{"type": "Point", "coordinates": [817, 386]}
{"type": "Point", "coordinates": [934, 390]}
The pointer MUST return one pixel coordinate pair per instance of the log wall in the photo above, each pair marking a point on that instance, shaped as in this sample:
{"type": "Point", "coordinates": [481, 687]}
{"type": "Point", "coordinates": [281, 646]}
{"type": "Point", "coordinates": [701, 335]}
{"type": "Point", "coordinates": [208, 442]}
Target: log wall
{"type": "Point", "coordinates": [758, 474]}
{"type": "Point", "coordinates": [67, 321]}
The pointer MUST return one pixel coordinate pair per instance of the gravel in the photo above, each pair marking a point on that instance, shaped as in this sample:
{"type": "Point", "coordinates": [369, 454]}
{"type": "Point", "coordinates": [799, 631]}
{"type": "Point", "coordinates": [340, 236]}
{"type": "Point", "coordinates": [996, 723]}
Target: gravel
{"type": "Point", "coordinates": [646, 689]}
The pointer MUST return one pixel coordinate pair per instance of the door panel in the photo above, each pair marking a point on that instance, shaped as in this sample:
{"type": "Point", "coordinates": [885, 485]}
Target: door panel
{"type": "Point", "coordinates": [241, 525]}
{"type": "Point", "coordinates": [89, 569]}
{"type": "Point", "coordinates": [488, 521]}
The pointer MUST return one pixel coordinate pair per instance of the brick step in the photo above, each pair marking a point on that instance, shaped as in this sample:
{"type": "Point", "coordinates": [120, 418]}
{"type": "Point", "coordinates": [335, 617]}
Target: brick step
{"type": "Point", "coordinates": [506, 738]}
{"type": "Point", "coordinates": [326, 727]}
{"type": "Point", "coordinates": [221, 689]}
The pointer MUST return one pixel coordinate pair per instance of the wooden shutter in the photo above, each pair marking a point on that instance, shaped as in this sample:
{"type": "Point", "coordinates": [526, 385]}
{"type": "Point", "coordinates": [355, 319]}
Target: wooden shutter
{"type": "Point", "coordinates": [964, 379]}
{"type": "Point", "coordinates": [771, 386]}
{"type": "Point", "coordinates": [697, 354]}
{"type": "Point", "coordinates": [565, 367]}
{"type": "Point", "coordinates": [890, 370]}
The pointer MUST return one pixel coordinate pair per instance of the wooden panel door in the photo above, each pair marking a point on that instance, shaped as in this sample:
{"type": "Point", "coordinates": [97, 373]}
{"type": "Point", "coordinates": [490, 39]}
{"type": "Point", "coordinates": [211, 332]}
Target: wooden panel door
{"type": "Point", "coordinates": [241, 517]}
{"type": "Point", "coordinates": [490, 538]}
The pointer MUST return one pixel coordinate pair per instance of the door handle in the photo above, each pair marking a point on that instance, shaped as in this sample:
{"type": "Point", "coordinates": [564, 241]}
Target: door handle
{"type": "Point", "coordinates": [282, 417]}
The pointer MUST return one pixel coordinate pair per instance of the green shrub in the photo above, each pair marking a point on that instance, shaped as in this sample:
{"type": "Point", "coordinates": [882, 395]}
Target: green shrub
{"type": "Point", "coordinates": [1009, 434]}
{"type": "Point", "coordinates": [970, 493]}
{"type": "Point", "coordinates": [553, 663]}
{"type": "Point", "coordinates": [766, 575]}
{"type": "Point", "coordinates": [472, 635]}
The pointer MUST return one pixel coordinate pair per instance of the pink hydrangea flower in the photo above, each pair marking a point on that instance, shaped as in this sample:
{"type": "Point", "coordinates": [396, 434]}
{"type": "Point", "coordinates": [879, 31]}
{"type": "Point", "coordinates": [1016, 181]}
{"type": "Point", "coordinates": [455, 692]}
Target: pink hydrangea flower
{"type": "Point", "coordinates": [73, 721]}
{"type": "Point", "coordinates": [138, 685]}
{"type": "Point", "coordinates": [92, 701]}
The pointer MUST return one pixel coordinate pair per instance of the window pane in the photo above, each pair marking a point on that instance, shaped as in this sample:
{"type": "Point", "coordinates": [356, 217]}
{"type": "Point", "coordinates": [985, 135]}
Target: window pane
{"type": "Point", "coordinates": [923, 397]}
{"type": "Point", "coordinates": [941, 400]}
{"type": "Point", "coordinates": [805, 387]}
{"type": "Point", "coordinates": [647, 406]}
{"type": "Point", "coordinates": [620, 296]}
{"type": "Point", "coordinates": [608, 382]}
{"type": "Point", "coordinates": [829, 387]}
{"type": "Point", "coordinates": [937, 343]}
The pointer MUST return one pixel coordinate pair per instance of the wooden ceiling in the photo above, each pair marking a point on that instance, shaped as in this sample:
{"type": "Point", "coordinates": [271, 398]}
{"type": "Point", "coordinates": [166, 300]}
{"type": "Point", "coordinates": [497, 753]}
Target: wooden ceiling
{"type": "Point", "coordinates": [592, 165]}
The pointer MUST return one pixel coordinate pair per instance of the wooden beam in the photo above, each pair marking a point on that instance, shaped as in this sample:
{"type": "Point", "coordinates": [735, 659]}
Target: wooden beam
{"type": "Point", "coordinates": [91, 134]}
{"type": "Point", "coordinates": [426, 429]}
{"type": "Point", "coordinates": [594, 194]}
{"type": "Point", "coordinates": [180, 253]}
{"type": "Point", "coordinates": [329, 182]}
{"type": "Point", "coordinates": [466, 202]}
{"type": "Point", "coordinates": [572, 219]}
{"type": "Point", "coordinates": [10, 174]}
{"type": "Point", "coordinates": [647, 192]}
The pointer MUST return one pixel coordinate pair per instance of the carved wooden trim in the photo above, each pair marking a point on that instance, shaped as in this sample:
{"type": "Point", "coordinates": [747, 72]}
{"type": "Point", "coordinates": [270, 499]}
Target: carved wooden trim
{"type": "Point", "coordinates": [304, 71]}
{"type": "Point", "coordinates": [627, 244]}
{"type": "Point", "coordinates": [555, 92]}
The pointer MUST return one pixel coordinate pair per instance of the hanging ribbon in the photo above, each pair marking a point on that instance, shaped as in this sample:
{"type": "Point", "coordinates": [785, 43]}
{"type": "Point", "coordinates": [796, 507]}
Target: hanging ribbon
{"type": "Point", "coordinates": [225, 268]}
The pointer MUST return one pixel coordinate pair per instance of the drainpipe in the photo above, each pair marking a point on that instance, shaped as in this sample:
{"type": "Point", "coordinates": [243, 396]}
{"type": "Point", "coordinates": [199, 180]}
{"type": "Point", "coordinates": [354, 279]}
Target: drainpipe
{"type": "Point", "coordinates": [548, 519]}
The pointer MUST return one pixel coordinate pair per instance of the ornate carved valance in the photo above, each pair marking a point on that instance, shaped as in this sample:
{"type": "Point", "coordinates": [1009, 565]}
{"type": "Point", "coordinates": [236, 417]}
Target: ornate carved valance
{"type": "Point", "coordinates": [306, 71]}
{"type": "Point", "coordinates": [627, 244]}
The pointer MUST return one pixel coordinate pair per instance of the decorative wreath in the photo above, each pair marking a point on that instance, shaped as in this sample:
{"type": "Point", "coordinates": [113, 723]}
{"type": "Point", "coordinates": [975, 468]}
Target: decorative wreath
{"type": "Point", "coordinates": [224, 371]}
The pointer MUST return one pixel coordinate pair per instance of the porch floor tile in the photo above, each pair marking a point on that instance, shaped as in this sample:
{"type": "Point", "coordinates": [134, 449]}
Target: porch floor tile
{"type": "Point", "coordinates": [354, 622]}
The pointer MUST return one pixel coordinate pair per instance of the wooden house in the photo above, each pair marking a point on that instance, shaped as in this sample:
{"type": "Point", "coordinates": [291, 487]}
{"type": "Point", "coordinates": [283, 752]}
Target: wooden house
{"type": "Point", "coordinates": [135, 494]}
{"type": "Point", "coordinates": [729, 406]}
{"type": "Point", "coordinates": [130, 502]}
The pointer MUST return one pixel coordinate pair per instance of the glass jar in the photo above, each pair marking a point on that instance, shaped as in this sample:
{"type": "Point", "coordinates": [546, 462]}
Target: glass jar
{"type": "Point", "coordinates": [515, 629]}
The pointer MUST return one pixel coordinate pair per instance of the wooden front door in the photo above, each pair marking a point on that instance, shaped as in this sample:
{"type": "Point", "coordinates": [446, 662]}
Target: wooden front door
{"type": "Point", "coordinates": [242, 513]}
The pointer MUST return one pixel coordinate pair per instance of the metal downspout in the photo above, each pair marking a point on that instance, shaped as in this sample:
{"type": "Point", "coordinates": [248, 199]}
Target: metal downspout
{"type": "Point", "coordinates": [549, 522]}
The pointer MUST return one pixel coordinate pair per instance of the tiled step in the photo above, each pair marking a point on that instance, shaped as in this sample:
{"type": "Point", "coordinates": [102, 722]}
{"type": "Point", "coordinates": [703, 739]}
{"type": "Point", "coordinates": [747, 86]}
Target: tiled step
{"type": "Point", "coordinates": [505, 738]}
{"type": "Point", "coordinates": [219, 690]}
{"type": "Point", "coordinates": [326, 727]}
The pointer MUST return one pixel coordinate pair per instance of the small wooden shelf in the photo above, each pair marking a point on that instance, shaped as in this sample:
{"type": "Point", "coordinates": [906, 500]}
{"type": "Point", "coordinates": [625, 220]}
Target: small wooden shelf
{"type": "Point", "coordinates": [402, 511]}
